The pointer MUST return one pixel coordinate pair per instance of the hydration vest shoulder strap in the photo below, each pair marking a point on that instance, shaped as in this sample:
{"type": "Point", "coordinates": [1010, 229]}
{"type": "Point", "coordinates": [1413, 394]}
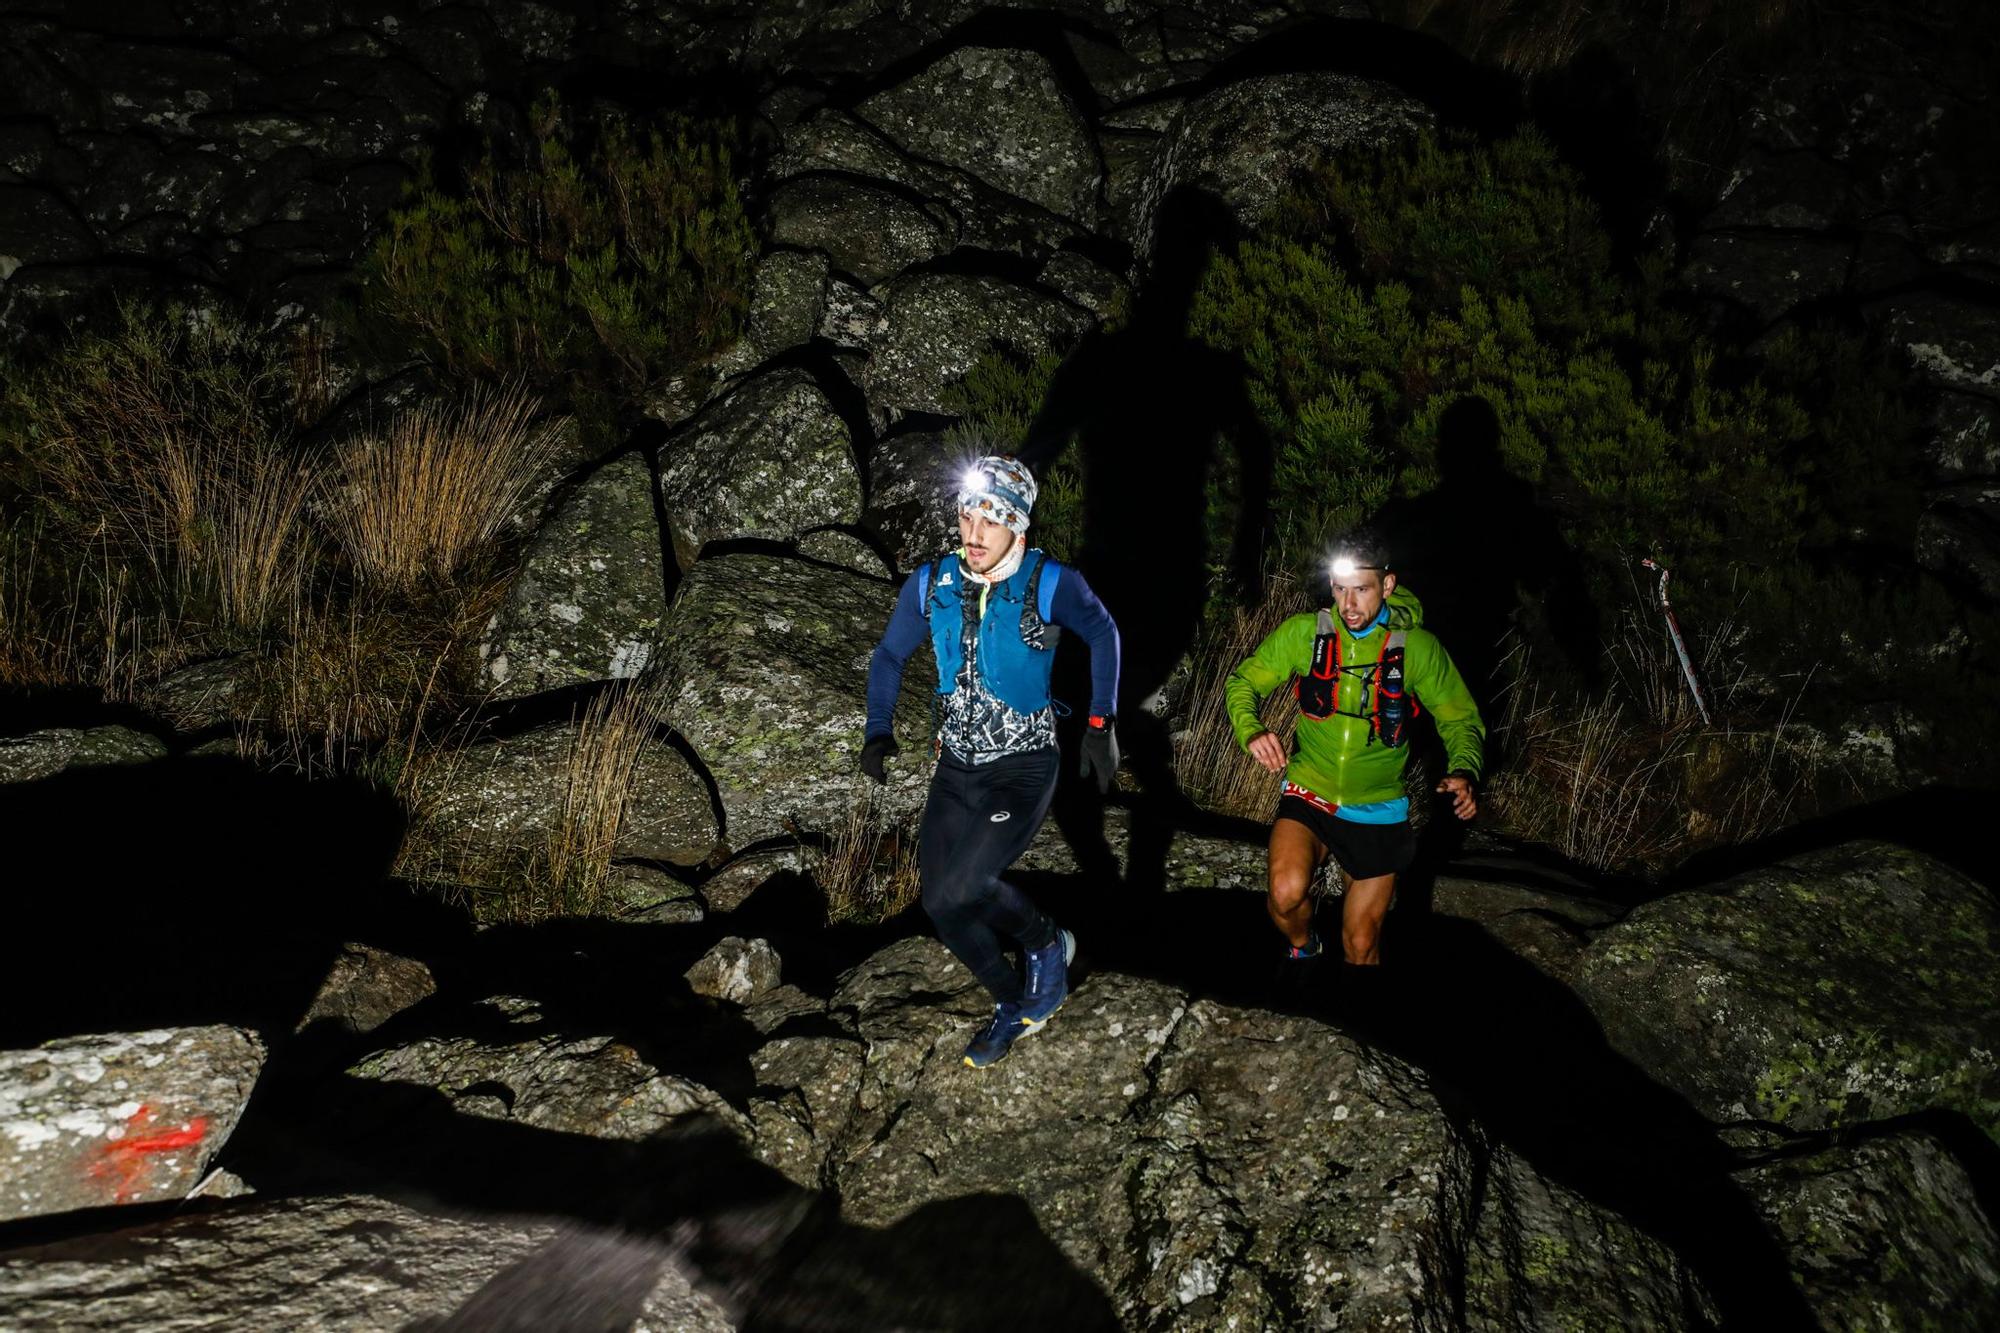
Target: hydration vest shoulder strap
{"type": "Point", "coordinates": [927, 577]}
{"type": "Point", "coordinates": [1318, 687]}
{"type": "Point", "coordinates": [1036, 631]}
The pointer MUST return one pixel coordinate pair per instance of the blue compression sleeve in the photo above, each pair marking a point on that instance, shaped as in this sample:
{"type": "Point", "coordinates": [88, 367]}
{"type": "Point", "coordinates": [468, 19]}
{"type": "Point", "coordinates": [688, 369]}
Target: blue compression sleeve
{"type": "Point", "coordinates": [1077, 609]}
{"type": "Point", "coordinates": [906, 632]}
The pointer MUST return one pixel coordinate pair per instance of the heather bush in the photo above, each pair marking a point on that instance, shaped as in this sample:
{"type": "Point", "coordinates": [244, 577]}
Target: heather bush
{"type": "Point", "coordinates": [996, 403]}
{"type": "Point", "coordinates": [1500, 290]}
{"type": "Point", "coordinates": [603, 262]}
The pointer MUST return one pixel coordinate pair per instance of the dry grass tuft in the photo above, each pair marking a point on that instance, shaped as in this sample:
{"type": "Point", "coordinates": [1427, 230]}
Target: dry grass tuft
{"type": "Point", "coordinates": [168, 443]}
{"type": "Point", "coordinates": [597, 788]}
{"type": "Point", "coordinates": [426, 500]}
{"type": "Point", "coordinates": [1213, 772]}
{"type": "Point", "coordinates": [563, 873]}
{"type": "Point", "coordinates": [868, 869]}
{"type": "Point", "coordinates": [68, 622]}
{"type": "Point", "coordinates": [1630, 780]}
{"type": "Point", "coordinates": [258, 549]}
{"type": "Point", "coordinates": [363, 673]}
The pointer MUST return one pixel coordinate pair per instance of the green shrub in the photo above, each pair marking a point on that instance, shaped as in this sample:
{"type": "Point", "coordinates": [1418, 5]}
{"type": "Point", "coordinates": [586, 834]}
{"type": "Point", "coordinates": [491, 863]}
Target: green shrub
{"type": "Point", "coordinates": [594, 271]}
{"type": "Point", "coordinates": [996, 402]}
{"type": "Point", "coordinates": [1777, 483]}
{"type": "Point", "coordinates": [1352, 383]}
{"type": "Point", "coordinates": [1448, 213]}
{"type": "Point", "coordinates": [1389, 286]}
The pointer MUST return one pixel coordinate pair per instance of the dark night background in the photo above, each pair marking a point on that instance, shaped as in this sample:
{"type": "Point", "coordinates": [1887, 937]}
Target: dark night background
{"type": "Point", "coordinates": [456, 458]}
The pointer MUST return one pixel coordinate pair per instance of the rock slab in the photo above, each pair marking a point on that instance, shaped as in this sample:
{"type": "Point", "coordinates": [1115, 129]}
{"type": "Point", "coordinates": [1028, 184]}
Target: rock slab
{"type": "Point", "coordinates": [1886, 1234]}
{"type": "Point", "coordinates": [1002, 116]}
{"type": "Point", "coordinates": [507, 796]}
{"type": "Point", "coordinates": [352, 1263]}
{"type": "Point", "coordinates": [736, 970]}
{"type": "Point", "coordinates": [770, 460]}
{"type": "Point", "coordinates": [592, 588]}
{"type": "Point", "coordinates": [1849, 985]}
{"type": "Point", "coordinates": [764, 670]}
{"type": "Point", "coordinates": [123, 1117]}
{"type": "Point", "coordinates": [366, 987]}
{"type": "Point", "coordinates": [41, 754]}
{"type": "Point", "coordinates": [509, 1062]}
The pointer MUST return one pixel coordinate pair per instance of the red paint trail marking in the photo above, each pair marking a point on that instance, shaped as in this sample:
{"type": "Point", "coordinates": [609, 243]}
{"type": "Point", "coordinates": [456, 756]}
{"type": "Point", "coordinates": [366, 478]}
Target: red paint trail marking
{"type": "Point", "coordinates": [123, 1161]}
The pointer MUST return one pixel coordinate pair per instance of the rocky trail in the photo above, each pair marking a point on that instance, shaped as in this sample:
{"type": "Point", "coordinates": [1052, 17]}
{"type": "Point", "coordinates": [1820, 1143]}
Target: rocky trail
{"type": "Point", "coordinates": [752, 1122]}
{"type": "Point", "coordinates": [247, 1079]}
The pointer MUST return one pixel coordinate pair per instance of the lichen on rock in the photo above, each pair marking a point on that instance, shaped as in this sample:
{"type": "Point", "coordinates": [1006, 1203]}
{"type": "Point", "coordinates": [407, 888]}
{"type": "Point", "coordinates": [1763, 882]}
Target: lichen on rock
{"type": "Point", "coordinates": [592, 588]}
{"type": "Point", "coordinates": [764, 669]}
{"type": "Point", "coordinates": [769, 460]}
{"type": "Point", "coordinates": [1848, 985]}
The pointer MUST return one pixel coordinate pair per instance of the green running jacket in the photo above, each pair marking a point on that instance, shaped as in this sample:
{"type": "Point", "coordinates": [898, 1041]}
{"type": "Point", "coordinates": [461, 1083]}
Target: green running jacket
{"type": "Point", "coordinates": [1333, 757]}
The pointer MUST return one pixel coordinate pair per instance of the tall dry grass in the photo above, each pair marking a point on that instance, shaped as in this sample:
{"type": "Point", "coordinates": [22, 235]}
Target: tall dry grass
{"type": "Point", "coordinates": [1630, 779]}
{"type": "Point", "coordinates": [868, 870]}
{"type": "Point", "coordinates": [424, 500]}
{"type": "Point", "coordinates": [167, 445]}
{"type": "Point", "coordinates": [360, 673]}
{"type": "Point", "coordinates": [1213, 772]}
{"type": "Point", "coordinates": [563, 871]}
{"type": "Point", "coordinates": [597, 787]}
{"type": "Point", "coordinates": [418, 510]}
{"type": "Point", "coordinates": [216, 524]}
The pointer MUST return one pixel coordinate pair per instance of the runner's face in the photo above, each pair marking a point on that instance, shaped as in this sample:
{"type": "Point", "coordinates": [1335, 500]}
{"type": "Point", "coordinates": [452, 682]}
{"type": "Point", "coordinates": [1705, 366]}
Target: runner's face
{"type": "Point", "coordinates": [1358, 597]}
{"type": "Point", "coordinates": [986, 542]}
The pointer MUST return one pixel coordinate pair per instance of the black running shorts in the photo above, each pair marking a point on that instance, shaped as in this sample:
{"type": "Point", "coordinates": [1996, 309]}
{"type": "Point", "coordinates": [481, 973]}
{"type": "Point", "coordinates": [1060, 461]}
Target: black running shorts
{"type": "Point", "coordinates": [1364, 851]}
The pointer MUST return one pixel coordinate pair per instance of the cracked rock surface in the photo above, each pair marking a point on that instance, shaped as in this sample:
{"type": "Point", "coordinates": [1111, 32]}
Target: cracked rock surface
{"type": "Point", "coordinates": [769, 460]}
{"type": "Point", "coordinates": [508, 796]}
{"type": "Point", "coordinates": [587, 603]}
{"type": "Point", "coordinates": [765, 670]}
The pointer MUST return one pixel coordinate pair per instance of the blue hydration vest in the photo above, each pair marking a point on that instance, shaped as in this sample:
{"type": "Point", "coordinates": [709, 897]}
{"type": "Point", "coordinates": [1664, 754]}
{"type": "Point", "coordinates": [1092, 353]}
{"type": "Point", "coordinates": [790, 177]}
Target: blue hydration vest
{"type": "Point", "coordinates": [1016, 643]}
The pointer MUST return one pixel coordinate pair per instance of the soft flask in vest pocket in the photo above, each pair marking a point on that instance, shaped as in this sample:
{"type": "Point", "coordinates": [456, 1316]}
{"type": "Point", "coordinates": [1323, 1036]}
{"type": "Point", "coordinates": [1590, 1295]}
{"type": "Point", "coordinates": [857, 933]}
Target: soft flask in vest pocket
{"type": "Point", "coordinates": [1389, 705]}
{"type": "Point", "coordinates": [1015, 642]}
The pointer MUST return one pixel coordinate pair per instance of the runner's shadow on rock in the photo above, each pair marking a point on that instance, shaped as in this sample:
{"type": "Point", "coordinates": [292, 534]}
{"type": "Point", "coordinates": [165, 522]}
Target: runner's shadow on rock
{"type": "Point", "coordinates": [1474, 543]}
{"type": "Point", "coordinates": [777, 1256]}
{"type": "Point", "coordinates": [1156, 415]}
{"type": "Point", "coordinates": [1506, 1045]}
{"type": "Point", "coordinates": [186, 891]}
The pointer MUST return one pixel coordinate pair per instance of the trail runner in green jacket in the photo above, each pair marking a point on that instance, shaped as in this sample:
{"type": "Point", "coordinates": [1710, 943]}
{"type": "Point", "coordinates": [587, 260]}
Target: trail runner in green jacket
{"type": "Point", "coordinates": [1363, 671]}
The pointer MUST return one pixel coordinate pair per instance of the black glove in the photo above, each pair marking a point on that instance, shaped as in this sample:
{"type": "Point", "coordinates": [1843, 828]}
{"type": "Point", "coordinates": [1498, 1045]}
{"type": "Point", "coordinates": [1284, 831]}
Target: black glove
{"type": "Point", "coordinates": [877, 749]}
{"type": "Point", "coordinates": [1100, 755]}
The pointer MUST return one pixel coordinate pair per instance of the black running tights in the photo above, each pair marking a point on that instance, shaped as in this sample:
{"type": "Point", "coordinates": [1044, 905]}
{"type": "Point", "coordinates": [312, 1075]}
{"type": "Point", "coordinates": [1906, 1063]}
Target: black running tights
{"type": "Point", "coordinates": [979, 818]}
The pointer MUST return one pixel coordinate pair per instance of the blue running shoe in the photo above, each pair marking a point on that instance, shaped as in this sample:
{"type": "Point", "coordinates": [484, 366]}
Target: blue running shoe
{"type": "Point", "coordinates": [1048, 979]}
{"type": "Point", "coordinates": [990, 1045]}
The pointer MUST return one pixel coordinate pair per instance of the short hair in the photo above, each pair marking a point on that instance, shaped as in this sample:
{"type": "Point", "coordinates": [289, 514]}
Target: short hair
{"type": "Point", "coordinates": [1366, 547]}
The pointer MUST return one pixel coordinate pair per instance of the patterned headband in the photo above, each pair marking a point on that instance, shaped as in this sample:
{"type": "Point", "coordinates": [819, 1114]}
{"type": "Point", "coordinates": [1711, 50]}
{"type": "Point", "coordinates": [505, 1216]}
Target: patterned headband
{"type": "Point", "coordinates": [1001, 490]}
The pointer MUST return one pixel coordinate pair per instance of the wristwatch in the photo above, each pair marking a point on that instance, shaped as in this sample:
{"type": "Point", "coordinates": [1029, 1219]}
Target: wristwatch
{"type": "Point", "coordinates": [1100, 721]}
